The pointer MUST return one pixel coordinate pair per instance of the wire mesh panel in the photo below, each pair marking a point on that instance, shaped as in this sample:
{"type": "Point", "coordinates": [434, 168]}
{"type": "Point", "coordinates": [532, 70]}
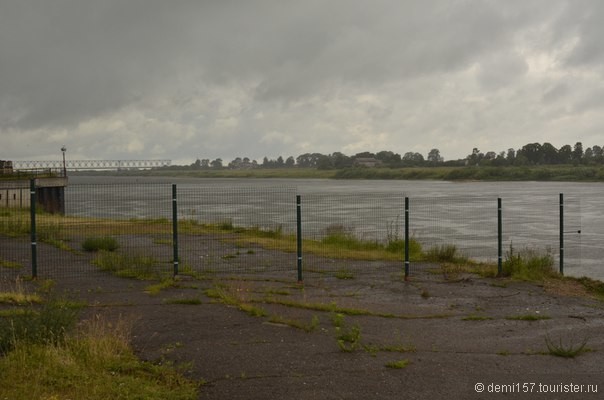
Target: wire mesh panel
{"type": "Point", "coordinates": [237, 229]}
{"type": "Point", "coordinates": [128, 229]}
{"type": "Point", "coordinates": [15, 243]}
{"type": "Point", "coordinates": [362, 226]}
{"type": "Point", "coordinates": [583, 250]}
{"type": "Point", "coordinates": [531, 227]}
{"type": "Point", "coordinates": [124, 229]}
{"type": "Point", "coordinates": [454, 227]}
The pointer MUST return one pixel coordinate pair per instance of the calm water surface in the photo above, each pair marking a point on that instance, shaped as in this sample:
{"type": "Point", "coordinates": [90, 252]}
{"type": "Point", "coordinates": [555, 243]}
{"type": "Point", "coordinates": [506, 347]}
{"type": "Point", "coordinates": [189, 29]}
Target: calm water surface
{"type": "Point", "coordinates": [440, 211]}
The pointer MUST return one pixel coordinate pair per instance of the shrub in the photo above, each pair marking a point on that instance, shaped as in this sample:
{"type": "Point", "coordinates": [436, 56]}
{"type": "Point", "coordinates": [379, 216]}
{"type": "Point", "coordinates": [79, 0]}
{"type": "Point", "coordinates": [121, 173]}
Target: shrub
{"type": "Point", "coordinates": [106, 243]}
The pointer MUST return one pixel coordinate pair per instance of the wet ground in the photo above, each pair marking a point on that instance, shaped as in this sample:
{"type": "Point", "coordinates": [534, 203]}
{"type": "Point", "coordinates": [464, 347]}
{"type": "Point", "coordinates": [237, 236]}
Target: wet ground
{"type": "Point", "coordinates": [340, 334]}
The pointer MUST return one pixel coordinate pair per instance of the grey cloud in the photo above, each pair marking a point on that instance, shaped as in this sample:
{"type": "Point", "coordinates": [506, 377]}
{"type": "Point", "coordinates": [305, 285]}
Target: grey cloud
{"type": "Point", "coordinates": [64, 61]}
{"type": "Point", "coordinates": [68, 60]}
{"type": "Point", "coordinates": [192, 75]}
{"type": "Point", "coordinates": [558, 91]}
{"type": "Point", "coordinates": [580, 26]}
{"type": "Point", "coordinates": [502, 70]}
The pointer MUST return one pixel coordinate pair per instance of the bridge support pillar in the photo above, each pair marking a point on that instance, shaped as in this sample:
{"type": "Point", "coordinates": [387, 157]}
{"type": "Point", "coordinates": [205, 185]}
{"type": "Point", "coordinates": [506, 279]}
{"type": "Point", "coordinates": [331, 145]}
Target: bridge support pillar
{"type": "Point", "coordinates": [51, 199]}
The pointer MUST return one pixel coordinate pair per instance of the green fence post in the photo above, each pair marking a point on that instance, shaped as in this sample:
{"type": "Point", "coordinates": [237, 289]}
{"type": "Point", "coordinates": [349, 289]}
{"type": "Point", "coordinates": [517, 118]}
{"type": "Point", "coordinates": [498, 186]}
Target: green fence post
{"type": "Point", "coordinates": [561, 233]}
{"type": "Point", "coordinates": [299, 235]}
{"type": "Point", "coordinates": [34, 244]}
{"type": "Point", "coordinates": [175, 229]}
{"type": "Point", "coordinates": [407, 238]}
{"type": "Point", "coordinates": [499, 238]}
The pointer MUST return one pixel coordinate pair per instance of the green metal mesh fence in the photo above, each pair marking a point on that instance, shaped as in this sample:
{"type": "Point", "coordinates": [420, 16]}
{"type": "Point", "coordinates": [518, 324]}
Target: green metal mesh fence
{"type": "Point", "coordinates": [128, 230]}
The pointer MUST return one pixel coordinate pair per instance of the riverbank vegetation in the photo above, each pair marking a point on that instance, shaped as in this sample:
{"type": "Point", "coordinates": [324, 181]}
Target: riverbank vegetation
{"type": "Point", "coordinates": [554, 173]}
{"type": "Point", "coordinates": [532, 162]}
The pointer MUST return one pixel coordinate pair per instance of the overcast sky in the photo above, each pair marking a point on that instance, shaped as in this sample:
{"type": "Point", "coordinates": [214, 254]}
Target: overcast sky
{"type": "Point", "coordinates": [181, 80]}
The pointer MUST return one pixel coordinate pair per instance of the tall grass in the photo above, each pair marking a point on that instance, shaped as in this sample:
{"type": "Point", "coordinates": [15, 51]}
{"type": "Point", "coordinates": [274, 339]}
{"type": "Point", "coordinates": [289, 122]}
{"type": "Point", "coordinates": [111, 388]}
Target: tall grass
{"type": "Point", "coordinates": [445, 253]}
{"type": "Point", "coordinates": [47, 324]}
{"type": "Point", "coordinates": [94, 363]}
{"type": "Point", "coordinates": [339, 240]}
{"type": "Point", "coordinates": [528, 265]}
{"type": "Point", "coordinates": [14, 223]}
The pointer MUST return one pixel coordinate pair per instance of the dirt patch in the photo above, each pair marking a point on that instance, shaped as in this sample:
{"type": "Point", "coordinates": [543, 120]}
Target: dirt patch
{"type": "Point", "coordinates": [340, 334]}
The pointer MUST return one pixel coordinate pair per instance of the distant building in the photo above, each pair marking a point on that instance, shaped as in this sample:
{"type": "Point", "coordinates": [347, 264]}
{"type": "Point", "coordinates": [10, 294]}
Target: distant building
{"type": "Point", "coordinates": [367, 162]}
{"type": "Point", "coordinates": [6, 167]}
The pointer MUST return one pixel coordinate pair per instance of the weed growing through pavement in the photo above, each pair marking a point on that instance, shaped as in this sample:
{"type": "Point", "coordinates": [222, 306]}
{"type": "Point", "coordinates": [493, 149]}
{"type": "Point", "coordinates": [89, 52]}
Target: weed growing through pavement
{"type": "Point", "coordinates": [98, 243]}
{"type": "Point", "coordinates": [527, 317]}
{"type": "Point", "coordinates": [569, 350]}
{"type": "Point", "coordinates": [398, 364]}
{"type": "Point", "coordinates": [474, 317]}
{"type": "Point", "coordinates": [348, 338]}
{"type": "Point", "coordinates": [344, 274]}
{"type": "Point", "coordinates": [155, 289]}
{"type": "Point", "coordinates": [306, 327]}
{"type": "Point", "coordinates": [193, 301]}
{"type": "Point", "coordinates": [137, 266]}
{"type": "Point", "coordinates": [235, 296]}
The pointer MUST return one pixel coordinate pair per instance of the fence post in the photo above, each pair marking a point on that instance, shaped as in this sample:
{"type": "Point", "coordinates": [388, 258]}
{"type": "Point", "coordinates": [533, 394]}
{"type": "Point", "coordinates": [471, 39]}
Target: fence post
{"type": "Point", "coordinates": [499, 238]}
{"type": "Point", "coordinates": [561, 233]}
{"type": "Point", "coordinates": [175, 229]}
{"type": "Point", "coordinates": [407, 238]}
{"type": "Point", "coordinates": [299, 235]}
{"type": "Point", "coordinates": [32, 217]}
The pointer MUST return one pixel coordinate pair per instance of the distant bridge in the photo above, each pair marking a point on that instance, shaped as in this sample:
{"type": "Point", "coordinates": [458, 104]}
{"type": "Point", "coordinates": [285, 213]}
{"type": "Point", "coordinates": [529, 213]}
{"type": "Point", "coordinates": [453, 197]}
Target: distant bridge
{"type": "Point", "coordinates": [91, 164]}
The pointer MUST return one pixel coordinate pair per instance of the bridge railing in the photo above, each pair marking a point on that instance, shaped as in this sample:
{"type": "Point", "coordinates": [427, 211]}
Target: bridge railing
{"type": "Point", "coordinates": [89, 164]}
{"type": "Point", "coordinates": [26, 174]}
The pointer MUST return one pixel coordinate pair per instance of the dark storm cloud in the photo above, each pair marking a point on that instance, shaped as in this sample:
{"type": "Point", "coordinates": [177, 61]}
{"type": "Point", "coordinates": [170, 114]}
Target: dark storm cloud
{"type": "Point", "coordinates": [166, 77]}
{"type": "Point", "coordinates": [67, 60]}
{"type": "Point", "coordinates": [64, 61]}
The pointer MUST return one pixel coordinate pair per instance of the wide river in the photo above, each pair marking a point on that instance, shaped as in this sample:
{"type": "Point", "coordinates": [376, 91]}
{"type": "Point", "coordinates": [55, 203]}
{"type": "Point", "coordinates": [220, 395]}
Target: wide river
{"type": "Point", "coordinates": [441, 211]}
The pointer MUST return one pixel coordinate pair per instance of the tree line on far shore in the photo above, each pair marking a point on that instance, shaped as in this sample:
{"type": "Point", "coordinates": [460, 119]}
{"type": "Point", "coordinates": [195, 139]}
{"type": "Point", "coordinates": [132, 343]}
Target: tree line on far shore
{"type": "Point", "coordinates": [529, 155]}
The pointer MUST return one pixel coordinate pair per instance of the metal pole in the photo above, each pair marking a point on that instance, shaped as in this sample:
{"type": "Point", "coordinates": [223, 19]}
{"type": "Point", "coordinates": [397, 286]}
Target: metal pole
{"type": "Point", "coordinates": [64, 149]}
{"type": "Point", "coordinates": [407, 238]}
{"type": "Point", "coordinates": [34, 244]}
{"type": "Point", "coordinates": [499, 238]}
{"type": "Point", "coordinates": [561, 233]}
{"type": "Point", "coordinates": [175, 229]}
{"type": "Point", "coordinates": [299, 235]}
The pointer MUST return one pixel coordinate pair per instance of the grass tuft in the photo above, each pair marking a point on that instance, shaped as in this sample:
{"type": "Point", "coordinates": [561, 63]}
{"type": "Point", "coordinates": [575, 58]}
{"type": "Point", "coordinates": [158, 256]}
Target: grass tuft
{"type": "Point", "coordinates": [134, 266]}
{"type": "Point", "coordinates": [474, 317]}
{"type": "Point", "coordinates": [106, 243]}
{"type": "Point", "coordinates": [570, 350]}
{"type": "Point", "coordinates": [527, 317]}
{"type": "Point", "coordinates": [193, 301]}
{"type": "Point", "coordinates": [446, 253]}
{"type": "Point", "coordinates": [398, 364]}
